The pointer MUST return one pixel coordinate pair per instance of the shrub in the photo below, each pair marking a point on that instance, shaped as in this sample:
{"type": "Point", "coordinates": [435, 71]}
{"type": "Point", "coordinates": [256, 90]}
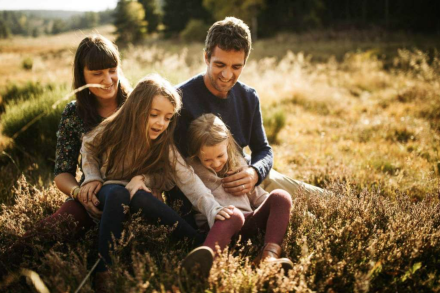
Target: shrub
{"type": "Point", "coordinates": [29, 90]}
{"type": "Point", "coordinates": [33, 149]}
{"type": "Point", "coordinates": [195, 31]}
{"type": "Point", "coordinates": [347, 241]}
{"type": "Point", "coordinates": [274, 120]}
{"type": "Point", "coordinates": [27, 63]}
{"type": "Point", "coordinates": [40, 137]}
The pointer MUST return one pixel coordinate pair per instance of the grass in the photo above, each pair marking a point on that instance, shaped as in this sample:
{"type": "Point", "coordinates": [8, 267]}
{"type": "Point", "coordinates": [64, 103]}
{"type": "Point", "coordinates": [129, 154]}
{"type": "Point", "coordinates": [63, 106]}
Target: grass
{"type": "Point", "coordinates": [348, 112]}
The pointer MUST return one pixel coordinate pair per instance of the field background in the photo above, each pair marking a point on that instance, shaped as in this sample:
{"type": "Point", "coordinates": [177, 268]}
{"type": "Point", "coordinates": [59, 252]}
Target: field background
{"type": "Point", "coordinates": [356, 112]}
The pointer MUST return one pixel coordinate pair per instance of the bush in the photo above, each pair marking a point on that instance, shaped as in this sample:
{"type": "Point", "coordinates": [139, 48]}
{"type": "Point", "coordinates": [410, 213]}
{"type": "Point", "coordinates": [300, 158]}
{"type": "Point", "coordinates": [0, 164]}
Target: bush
{"type": "Point", "coordinates": [33, 148]}
{"type": "Point", "coordinates": [40, 137]}
{"type": "Point", "coordinates": [274, 120]}
{"type": "Point", "coordinates": [29, 90]}
{"type": "Point", "coordinates": [195, 31]}
{"type": "Point", "coordinates": [342, 242]}
{"type": "Point", "coordinates": [27, 63]}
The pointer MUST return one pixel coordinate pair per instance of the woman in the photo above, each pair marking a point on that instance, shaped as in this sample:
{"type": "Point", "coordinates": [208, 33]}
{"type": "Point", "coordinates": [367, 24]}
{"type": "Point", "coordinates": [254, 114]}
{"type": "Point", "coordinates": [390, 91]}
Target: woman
{"type": "Point", "coordinates": [97, 62]}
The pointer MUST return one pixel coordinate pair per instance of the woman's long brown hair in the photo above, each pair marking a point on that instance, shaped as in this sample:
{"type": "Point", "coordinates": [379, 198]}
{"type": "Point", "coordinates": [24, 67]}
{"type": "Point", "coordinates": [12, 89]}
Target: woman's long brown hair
{"type": "Point", "coordinates": [95, 52]}
{"type": "Point", "coordinates": [124, 138]}
{"type": "Point", "coordinates": [209, 130]}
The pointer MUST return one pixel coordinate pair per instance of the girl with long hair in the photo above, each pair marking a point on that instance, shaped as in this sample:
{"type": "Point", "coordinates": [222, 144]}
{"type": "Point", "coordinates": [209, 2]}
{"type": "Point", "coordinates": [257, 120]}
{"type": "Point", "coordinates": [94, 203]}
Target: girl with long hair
{"type": "Point", "coordinates": [138, 139]}
{"type": "Point", "coordinates": [214, 154]}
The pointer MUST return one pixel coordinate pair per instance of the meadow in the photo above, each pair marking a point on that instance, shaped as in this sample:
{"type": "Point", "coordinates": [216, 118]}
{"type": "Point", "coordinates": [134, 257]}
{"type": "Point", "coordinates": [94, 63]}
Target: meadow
{"type": "Point", "coordinates": [357, 113]}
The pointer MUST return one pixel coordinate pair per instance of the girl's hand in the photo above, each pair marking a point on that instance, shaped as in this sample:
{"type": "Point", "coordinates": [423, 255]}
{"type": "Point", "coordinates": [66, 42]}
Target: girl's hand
{"type": "Point", "coordinates": [137, 183]}
{"type": "Point", "coordinates": [225, 213]}
{"type": "Point", "coordinates": [88, 192]}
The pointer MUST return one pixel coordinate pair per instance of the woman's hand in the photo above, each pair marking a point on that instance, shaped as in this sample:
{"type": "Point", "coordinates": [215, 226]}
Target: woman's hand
{"type": "Point", "coordinates": [137, 183]}
{"type": "Point", "coordinates": [87, 197]}
{"type": "Point", "coordinates": [225, 213]}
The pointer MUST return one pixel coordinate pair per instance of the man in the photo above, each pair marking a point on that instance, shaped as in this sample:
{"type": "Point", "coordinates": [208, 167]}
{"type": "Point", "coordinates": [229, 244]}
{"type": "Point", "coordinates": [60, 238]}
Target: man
{"type": "Point", "coordinates": [219, 92]}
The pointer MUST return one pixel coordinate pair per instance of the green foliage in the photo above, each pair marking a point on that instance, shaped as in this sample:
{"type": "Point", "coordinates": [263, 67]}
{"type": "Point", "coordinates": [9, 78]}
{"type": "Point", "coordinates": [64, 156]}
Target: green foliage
{"type": "Point", "coordinates": [245, 10]}
{"type": "Point", "coordinates": [27, 63]}
{"type": "Point", "coordinates": [152, 14]}
{"type": "Point", "coordinates": [130, 23]}
{"type": "Point", "coordinates": [59, 26]}
{"type": "Point", "coordinates": [195, 31]}
{"type": "Point", "coordinates": [14, 92]}
{"type": "Point", "coordinates": [33, 149]}
{"type": "Point", "coordinates": [39, 139]}
{"type": "Point", "coordinates": [5, 31]}
{"type": "Point", "coordinates": [35, 23]}
{"type": "Point", "coordinates": [274, 119]}
{"type": "Point", "coordinates": [177, 14]}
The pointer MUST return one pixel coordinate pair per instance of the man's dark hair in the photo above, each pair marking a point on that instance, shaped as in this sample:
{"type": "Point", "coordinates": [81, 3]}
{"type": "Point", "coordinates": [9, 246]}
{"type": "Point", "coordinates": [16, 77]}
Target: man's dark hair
{"type": "Point", "coordinates": [229, 34]}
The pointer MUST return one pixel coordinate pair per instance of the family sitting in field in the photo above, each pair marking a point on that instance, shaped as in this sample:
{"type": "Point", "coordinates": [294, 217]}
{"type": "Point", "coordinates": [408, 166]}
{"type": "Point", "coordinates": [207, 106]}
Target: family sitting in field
{"type": "Point", "coordinates": [187, 141]}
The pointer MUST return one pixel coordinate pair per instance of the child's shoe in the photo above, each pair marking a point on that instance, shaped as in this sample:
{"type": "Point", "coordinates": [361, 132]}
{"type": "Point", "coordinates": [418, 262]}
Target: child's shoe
{"type": "Point", "coordinates": [271, 253]}
{"type": "Point", "coordinates": [197, 263]}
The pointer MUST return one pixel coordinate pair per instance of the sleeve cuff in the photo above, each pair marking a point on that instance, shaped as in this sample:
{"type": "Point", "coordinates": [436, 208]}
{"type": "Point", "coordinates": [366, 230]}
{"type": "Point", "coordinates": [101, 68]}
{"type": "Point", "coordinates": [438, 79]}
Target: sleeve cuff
{"type": "Point", "coordinates": [92, 178]}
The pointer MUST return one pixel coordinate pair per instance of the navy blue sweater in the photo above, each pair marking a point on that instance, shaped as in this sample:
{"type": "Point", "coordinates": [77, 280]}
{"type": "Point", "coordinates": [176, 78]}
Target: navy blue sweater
{"type": "Point", "coordinates": [240, 111]}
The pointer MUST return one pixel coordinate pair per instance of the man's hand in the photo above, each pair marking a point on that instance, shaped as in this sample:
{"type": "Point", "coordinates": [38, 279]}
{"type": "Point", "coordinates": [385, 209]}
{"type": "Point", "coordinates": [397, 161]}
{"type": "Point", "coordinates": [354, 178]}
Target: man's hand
{"type": "Point", "coordinates": [241, 182]}
{"type": "Point", "coordinates": [225, 213]}
{"type": "Point", "coordinates": [87, 197]}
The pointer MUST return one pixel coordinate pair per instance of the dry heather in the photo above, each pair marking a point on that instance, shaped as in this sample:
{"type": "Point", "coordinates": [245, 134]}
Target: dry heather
{"type": "Point", "coordinates": [364, 127]}
{"type": "Point", "coordinates": [344, 242]}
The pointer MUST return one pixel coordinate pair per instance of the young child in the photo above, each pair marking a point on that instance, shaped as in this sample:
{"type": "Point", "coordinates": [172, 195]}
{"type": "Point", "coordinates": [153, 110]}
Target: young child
{"type": "Point", "coordinates": [138, 139]}
{"type": "Point", "coordinates": [214, 154]}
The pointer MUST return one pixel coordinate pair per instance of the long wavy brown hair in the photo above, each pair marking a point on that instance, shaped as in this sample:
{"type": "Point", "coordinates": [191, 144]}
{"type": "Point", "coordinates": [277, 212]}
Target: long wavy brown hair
{"type": "Point", "coordinates": [209, 130]}
{"type": "Point", "coordinates": [97, 53]}
{"type": "Point", "coordinates": [124, 138]}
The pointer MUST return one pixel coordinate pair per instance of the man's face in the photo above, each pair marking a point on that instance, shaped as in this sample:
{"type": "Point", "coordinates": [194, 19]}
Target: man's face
{"type": "Point", "coordinates": [224, 69]}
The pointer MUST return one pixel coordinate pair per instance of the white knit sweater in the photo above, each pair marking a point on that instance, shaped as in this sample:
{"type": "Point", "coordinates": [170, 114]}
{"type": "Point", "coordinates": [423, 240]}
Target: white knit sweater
{"type": "Point", "coordinates": [201, 198]}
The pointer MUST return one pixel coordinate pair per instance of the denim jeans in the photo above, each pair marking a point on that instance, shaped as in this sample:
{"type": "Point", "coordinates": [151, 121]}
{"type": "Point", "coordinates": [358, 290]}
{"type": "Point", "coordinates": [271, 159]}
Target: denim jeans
{"type": "Point", "coordinates": [112, 197]}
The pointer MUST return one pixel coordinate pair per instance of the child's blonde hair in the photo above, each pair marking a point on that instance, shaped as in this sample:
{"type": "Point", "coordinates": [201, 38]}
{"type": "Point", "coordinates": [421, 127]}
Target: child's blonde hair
{"type": "Point", "coordinates": [210, 130]}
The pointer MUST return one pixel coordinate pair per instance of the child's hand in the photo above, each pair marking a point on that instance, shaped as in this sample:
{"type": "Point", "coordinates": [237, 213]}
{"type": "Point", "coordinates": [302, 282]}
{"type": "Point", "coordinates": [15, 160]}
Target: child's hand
{"type": "Point", "coordinates": [88, 192]}
{"type": "Point", "coordinates": [137, 183]}
{"type": "Point", "coordinates": [87, 197]}
{"type": "Point", "coordinates": [225, 213]}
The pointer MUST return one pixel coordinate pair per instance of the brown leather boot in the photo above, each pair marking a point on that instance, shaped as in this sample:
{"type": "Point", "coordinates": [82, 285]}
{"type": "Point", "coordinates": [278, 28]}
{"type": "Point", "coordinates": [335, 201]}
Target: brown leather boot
{"type": "Point", "coordinates": [271, 253]}
{"type": "Point", "coordinates": [102, 282]}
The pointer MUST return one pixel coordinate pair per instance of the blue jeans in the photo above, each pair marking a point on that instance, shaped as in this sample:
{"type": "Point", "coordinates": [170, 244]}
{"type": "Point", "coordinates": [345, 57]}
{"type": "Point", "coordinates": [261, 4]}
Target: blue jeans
{"type": "Point", "coordinates": [112, 197]}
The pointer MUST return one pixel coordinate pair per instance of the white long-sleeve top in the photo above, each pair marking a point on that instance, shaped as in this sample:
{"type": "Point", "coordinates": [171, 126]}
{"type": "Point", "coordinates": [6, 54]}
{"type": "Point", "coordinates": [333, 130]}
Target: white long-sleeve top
{"type": "Point", "coordinates": [199, 195]}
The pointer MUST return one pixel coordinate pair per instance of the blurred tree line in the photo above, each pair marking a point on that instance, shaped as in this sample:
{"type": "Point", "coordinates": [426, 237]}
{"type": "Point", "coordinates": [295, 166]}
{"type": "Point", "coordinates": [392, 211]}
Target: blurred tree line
{"type": "Point", "coordinates": [190, 19]}
{"type": "Point", "coordinates": [35, 23]}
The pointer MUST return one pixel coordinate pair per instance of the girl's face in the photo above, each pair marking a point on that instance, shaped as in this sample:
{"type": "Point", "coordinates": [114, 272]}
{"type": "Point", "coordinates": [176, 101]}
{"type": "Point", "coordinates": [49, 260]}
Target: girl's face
{"type": "Point", "coordinates": [106, 77]}
{"type": "Point", "coordinates": [160, 116]}
{"type": "Point", "coordinates": [214, 157]}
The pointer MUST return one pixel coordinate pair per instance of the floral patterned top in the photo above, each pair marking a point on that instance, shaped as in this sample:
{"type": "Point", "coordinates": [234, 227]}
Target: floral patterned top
{"type": "Point", "coordinates": [69, 139]}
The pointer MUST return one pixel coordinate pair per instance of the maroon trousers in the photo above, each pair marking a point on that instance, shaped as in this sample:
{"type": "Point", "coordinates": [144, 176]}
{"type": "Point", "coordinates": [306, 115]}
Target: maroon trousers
{"type": "Point", "coordinates": [272, 215]}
